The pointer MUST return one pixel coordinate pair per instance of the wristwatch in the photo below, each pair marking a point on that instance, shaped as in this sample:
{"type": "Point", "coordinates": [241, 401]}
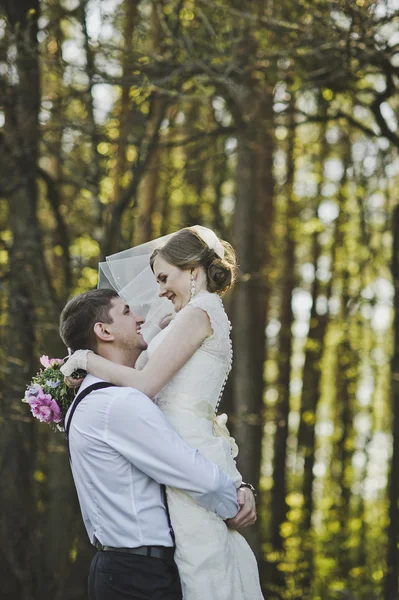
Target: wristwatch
{"type": "Point", "coordinates": [249, 486]}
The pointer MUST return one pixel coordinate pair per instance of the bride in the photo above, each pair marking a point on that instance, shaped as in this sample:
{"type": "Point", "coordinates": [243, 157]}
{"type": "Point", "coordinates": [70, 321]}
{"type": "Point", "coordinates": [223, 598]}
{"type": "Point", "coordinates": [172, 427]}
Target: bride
{"type": "Point", "coordinates": [186, 371]}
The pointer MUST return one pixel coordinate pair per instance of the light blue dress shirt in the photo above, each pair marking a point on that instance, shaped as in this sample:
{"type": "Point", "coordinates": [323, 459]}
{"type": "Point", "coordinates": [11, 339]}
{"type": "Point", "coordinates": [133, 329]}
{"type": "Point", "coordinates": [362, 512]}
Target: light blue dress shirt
{"type": "Point", "coordinates": [122, 449]}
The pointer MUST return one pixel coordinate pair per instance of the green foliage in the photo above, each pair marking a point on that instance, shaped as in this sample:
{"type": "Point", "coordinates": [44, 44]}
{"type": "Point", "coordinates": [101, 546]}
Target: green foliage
{"type": "Point", "coordinates": [151, 117]}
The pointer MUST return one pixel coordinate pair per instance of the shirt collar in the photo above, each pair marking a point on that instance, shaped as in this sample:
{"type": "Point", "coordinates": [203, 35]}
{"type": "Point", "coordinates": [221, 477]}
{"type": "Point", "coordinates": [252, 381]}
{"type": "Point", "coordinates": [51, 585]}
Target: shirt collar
{"type": "Point", "coordinates": [88, 380]}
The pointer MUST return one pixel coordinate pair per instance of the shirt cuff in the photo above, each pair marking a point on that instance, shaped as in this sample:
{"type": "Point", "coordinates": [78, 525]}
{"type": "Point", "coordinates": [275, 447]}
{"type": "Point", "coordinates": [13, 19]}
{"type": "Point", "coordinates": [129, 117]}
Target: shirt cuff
{"type": "Point", "coordinates": [225, 513]}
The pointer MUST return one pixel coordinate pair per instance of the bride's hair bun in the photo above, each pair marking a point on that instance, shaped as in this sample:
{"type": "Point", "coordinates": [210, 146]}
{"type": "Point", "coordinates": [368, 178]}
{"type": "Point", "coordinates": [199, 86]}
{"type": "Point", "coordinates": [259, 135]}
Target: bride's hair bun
{"type": "Point", "coordinates": [221, 272]}
{"type": "Point", "coordinates": [187, 250]}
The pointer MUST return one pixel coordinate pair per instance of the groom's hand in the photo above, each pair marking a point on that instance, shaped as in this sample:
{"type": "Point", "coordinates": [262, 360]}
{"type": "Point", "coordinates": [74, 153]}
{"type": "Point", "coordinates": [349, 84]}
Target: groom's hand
{"type": "Point", "coordinates": [247, 514]}
{"type": "Point", "coordinates": [72, 382]}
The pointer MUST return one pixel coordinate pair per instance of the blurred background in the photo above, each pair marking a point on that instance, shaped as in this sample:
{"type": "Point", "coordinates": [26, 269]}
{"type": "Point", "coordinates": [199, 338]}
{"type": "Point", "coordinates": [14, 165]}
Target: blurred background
{"type": "Point", "coordinates": [275, 124]}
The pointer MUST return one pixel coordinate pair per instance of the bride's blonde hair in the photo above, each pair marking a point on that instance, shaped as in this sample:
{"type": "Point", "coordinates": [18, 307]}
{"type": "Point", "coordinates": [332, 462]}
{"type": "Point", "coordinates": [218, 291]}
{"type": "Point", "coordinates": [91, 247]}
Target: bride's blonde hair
{"type": "Point", "coordinates": [187, 250]}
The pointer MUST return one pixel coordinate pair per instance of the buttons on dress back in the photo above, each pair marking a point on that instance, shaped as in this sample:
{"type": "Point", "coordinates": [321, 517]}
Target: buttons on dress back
{"type": "Point", "coordinates": [230, 360]}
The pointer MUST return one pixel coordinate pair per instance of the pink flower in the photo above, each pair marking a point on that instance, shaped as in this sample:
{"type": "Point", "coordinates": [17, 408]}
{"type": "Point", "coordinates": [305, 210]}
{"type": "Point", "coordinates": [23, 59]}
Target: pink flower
{"type": "Point", "coordinates": [45, 361]}
{"type": "Point", "coordinates": [50, 362]}
{"type": "Point", "coordinates": [56, 361]}
{"type": "Point", "coordinates": [43, 407]}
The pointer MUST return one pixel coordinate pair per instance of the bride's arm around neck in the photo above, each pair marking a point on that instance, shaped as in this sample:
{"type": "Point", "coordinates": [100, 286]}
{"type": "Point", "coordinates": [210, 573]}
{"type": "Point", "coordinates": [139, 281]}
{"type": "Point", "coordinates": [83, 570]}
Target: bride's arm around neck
{"type": "Point", "coordinates": [184, 338]}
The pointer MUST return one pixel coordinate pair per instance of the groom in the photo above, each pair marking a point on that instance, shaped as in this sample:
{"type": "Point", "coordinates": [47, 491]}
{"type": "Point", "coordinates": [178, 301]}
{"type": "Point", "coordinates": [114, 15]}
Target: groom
{"type": "Point", "coordinates": [123, 452]}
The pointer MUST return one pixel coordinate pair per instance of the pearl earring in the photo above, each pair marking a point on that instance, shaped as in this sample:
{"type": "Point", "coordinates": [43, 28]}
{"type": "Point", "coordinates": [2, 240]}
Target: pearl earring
{"type": "Point", "coordinates": [192, 292]}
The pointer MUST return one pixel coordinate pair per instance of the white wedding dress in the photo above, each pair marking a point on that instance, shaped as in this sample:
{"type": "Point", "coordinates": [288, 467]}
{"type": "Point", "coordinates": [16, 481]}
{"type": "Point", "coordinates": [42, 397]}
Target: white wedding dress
{"type": "Point", "coordinates": [214, 562]}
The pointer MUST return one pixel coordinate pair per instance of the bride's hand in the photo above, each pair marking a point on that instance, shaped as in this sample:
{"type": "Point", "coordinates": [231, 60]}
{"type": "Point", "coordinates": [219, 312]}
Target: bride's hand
{"type": "Point", "coordinates": [77, 361]}
{"type": "Point", "coordinates": [164, 322]}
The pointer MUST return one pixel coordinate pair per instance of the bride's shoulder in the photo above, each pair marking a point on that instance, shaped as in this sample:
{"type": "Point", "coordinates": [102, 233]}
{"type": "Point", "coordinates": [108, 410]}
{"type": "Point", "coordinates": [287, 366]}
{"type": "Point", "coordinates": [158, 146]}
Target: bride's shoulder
{"type": "Point", "coordinates": [206, 299]}
{"type": "Point", "coordinates": [212, 305]}
{"type": "Point", "coordinates": [209, 303]}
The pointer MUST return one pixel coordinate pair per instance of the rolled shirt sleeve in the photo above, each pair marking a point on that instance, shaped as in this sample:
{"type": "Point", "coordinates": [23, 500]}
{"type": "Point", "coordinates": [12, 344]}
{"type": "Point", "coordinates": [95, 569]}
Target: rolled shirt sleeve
{"type": "Point", "coordinates": [138, 430]}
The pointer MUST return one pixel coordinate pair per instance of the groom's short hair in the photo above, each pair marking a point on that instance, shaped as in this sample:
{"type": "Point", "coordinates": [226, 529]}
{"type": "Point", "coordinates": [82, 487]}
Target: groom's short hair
{"type": "Point", "coordinates": [81, 314]}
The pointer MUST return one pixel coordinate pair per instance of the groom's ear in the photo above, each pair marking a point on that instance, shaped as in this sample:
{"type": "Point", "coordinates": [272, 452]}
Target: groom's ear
{"type": "Point", "coordinates": [103, 333]}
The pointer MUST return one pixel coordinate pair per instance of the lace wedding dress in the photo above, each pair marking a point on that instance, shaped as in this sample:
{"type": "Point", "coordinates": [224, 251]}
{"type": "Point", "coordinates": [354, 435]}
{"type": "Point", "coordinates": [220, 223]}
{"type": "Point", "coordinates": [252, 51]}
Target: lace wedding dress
{"type": "Point", "coordinates": [215, 563]}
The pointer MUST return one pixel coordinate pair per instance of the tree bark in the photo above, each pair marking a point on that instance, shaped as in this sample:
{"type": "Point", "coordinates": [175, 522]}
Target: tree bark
{"type": "Point", "coordinates": [278, 505]}
{"type": "Point", "coordinates": [391, 589]}
{"type": "Point", "coordinates": [346, 378]}
{"type": "Point", "coordinates": [146, 149]}
{"type": "Point", "coordinates": [278, 500]}
{"type": "Point", "coordinates": [252, 221]}
{"type": "Point", "coordinates": [126, 105]}
{"type": "Point", "coordinates": [95, 169]}
{"type": "Point", "coordinates": [30, 307]}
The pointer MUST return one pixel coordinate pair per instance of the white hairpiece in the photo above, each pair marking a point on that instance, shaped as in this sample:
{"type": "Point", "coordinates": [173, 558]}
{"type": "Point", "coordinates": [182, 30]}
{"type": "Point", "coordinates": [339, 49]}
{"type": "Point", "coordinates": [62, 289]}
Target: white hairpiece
{"type": "Point", "coordinates": [129, 273]}
{"type": "Point", "coordinates": [210, 238]}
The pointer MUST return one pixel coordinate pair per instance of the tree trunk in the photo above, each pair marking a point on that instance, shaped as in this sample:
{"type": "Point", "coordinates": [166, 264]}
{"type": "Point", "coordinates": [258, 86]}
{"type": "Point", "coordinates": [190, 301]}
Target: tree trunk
{"type": "Point", "coordinates": [31, 301]}
{"type": "Point", "coordinates": [126, 106]}
{"type": "Point", "coordinates": [311, 391]}
{"type": "Point", "coordinates": [278, 501]}
{"type": "Point", "coordinates": [146, 148]}
{"type": "Point", "coordinates": [95, 170]}
{"type": "Point", "coordinates": [254, 203]}
{"type": "Point", "coordinates": [278, 504]}
{"type": "Point", "coordinates": [148, 200]}
{"type": "Point", "coordinates": [391, 590]}
{"type": "Point", "coordinates": [346, 378]}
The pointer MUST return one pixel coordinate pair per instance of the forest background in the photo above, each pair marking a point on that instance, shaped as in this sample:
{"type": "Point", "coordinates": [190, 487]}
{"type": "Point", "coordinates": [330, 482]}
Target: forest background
{"type": "Point", "coordinates": [275, 124]}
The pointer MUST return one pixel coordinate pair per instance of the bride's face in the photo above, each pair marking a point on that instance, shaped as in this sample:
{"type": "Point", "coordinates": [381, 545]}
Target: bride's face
{"type": "Point", "coordinates": [174, 283]}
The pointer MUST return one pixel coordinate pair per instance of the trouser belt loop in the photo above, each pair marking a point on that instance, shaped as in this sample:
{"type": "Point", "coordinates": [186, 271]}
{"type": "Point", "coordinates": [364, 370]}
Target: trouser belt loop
{"type": "Point", "coordinates": [97, 544]}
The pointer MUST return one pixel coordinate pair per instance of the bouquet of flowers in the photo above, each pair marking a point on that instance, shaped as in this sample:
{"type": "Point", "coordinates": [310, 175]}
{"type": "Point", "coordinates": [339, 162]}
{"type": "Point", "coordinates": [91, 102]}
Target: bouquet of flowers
{"type": "Point", "coordinates": [47, 395]}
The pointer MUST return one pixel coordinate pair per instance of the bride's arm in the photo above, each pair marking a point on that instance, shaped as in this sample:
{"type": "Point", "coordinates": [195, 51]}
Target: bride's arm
{"type": "Point", "coordinates": [148, 336]}
{"type": "Point", "coordinates": [189, 331]}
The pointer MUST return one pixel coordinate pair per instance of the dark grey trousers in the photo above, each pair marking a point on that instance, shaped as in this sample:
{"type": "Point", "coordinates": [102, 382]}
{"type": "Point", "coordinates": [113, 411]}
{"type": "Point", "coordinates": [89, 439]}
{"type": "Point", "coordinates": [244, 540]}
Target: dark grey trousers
{"type": "Point", "coordinates": [123, 576]}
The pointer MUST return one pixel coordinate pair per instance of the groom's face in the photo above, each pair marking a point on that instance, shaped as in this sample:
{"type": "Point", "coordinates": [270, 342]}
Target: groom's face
{"type": "Point", "coordinates": [126, 327]}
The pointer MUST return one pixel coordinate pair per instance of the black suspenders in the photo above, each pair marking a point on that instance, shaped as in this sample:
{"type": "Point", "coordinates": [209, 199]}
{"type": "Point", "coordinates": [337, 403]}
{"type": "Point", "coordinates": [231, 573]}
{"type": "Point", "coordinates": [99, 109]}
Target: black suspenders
{"type": "Point", "coordinates": [98, 386]}
{"type": "Point", "coordinates": [79, 398]}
